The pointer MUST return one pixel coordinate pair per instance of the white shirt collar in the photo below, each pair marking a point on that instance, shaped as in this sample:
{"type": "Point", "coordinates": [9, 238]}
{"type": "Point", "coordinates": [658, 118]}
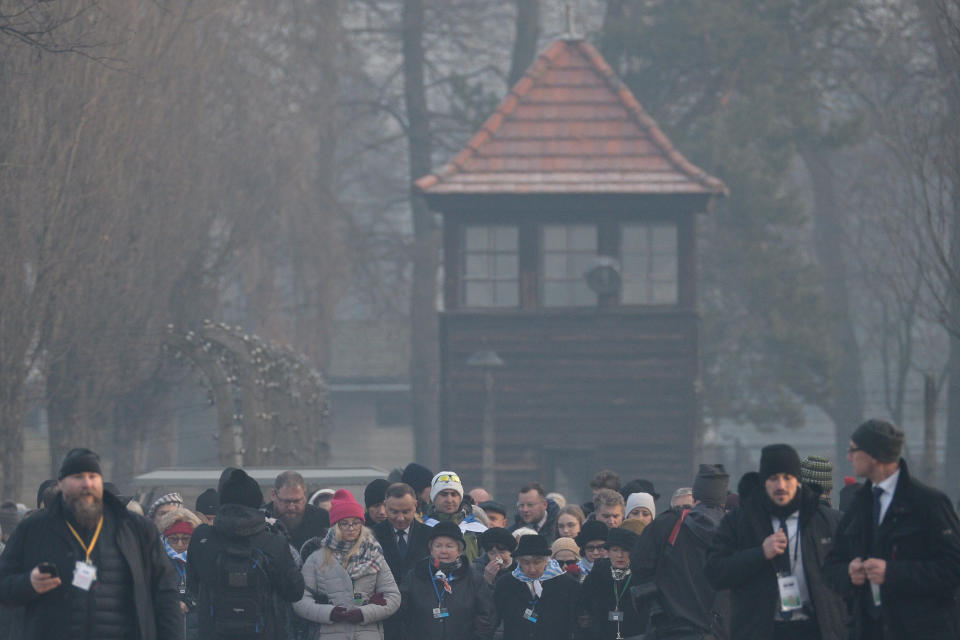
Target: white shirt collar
{"type": "Point", "coordinates": [890, 484]}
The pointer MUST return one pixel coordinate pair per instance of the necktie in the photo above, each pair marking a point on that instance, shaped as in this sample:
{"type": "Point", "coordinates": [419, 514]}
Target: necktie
{"type": "Point", "coordinates": [402, 543]}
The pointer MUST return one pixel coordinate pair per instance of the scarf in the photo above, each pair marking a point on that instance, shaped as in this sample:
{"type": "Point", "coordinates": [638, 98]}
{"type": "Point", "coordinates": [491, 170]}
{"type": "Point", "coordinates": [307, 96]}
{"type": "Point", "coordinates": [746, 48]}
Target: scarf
{"type": "Point", "coordinates": [180, 559]}
{"type": "Point", "coordinates": [778, 511]}
{"type": "Point", "coordinates": [368, 558]}
{"type": "Point", "coordinates": [585, 566]}
{"type": "Point", "coordinates": [552, 571]}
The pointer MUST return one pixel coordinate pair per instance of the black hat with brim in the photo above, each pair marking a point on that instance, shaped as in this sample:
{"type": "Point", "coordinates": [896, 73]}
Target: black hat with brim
{"type": "Point", "coordinates": [446, 529]}
{"type": "Point", "coordinates": [533, 544]}
{"type": "Point", "coordinates": [623, 538]}
{"type": "Point", "coordinates": [590, 531]}
{"type": "Point", "coordinates": [497, 536]}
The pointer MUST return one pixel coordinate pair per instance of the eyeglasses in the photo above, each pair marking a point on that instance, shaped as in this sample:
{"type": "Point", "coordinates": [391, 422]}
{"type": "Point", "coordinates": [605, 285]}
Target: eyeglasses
{"type": "Point", "coordinates": [447, 477]}
{"type": "Point", "coordinates": [178, 539]}
{"type": "Point", "coordinates": [593, 547]}
{"type": "Point", "coordinates": [290, 503]}
{"type": "Point", "coordinates": [852, 449]}
{"type": "Point", "coordinates": [349, 524]}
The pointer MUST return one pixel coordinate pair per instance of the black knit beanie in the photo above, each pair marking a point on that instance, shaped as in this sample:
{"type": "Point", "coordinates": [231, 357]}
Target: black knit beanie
{"type": "Point", "coordinates": [207, 502]}
{"type": "Point", "coordinates": [417, 476]}
{"type": "Point", "coordinates": [80, 461]}
{"type": "Point", "coordinates": [375, 493]}
{"type": "Point", "coordinates": [710, 485]}
{"type": "Point", "coordinates": [779, 458]}
{"type": "Point", "coordinates": [879, 439]}
{"type": "Point", "coordinates": [240, 488]}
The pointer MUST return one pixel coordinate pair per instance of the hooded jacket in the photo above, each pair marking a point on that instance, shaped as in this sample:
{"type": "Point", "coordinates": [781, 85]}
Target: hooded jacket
{"type": "Point", "coordinates": [45, 537]}
{"type": "Point", "coordinates": [736, 562]}
{"type": "Point", "coordinates": [237, 525]}
{"type": "Point", "coordinates": [468, 604]}
{"type": "Point", "coordinates": [676, 571]}
{"type": "Point", "coordinates": [920, 540]}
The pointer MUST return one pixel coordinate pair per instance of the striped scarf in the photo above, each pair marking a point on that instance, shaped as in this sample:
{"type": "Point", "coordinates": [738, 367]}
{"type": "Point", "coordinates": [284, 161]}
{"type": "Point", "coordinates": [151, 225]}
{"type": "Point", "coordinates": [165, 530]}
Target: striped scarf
{"type": "Point", "coordinates": [368, 558]}
{"type": "Point", "coordinates": [552, 571]}
{"type": "Point", "coordinates": [179, 558]}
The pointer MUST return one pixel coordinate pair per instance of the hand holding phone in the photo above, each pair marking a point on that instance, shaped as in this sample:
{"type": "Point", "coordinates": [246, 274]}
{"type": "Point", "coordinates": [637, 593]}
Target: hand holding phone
{"type": "Point", "coordinates": [48, 568]}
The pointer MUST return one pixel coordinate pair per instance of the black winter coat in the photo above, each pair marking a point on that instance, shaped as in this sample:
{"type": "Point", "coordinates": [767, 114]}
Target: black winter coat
{"type": "Point", "coordinates": [736, 562]}
{"type": "Point", "coordinates": [556, 610]}
{"type": "Point", "coordinates": [687, 599]}
{"type": "Point", "coordinates": [920, 540]}
{"type": "Point", "coordinates": [399, 566]}
{"type": "Point", "coordinates": [597, 600]}
{"type": "Point", "coordinates": [44, 537]}
{"type": "Point", "coordinates": [469, 605]}
{"type": "Point", "coordinates": [239, 525]}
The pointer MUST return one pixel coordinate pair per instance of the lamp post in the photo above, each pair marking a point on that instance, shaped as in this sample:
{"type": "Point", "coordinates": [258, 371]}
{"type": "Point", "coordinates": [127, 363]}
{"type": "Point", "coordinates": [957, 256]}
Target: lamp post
{"type": "Point", "coordinates": [488, 361]}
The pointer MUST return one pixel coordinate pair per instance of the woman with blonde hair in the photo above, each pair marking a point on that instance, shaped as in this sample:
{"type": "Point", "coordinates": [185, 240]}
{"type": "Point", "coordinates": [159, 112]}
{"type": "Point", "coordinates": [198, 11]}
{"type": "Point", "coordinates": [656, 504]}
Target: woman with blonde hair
{"type": "Point", "coordinates": [569, 520]}
{"type": "Point", "coordinates": [350, 588]}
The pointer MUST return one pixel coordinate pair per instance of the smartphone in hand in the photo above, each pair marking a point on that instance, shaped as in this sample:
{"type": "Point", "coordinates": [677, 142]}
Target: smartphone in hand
{"type": "Point", "coordinates": [48, 568]}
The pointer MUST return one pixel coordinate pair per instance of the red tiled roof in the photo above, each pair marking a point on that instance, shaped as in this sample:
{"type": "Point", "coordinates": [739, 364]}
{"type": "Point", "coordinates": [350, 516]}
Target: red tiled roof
{"type": "Point", "coordinates": [570, 126]}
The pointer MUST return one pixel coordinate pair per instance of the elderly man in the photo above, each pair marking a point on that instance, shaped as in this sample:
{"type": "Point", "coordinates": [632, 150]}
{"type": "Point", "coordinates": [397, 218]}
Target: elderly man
{"type": "Point", "coordinates": [768, 553]}
{"type": "Point", "coordinates": [289, 505]}
{"type": "Point", "coordinates": [897, 551]}
{"type": "Point", "coordinates": [536, 512]}
{"type": "Point", "coordinates": [85, 567]}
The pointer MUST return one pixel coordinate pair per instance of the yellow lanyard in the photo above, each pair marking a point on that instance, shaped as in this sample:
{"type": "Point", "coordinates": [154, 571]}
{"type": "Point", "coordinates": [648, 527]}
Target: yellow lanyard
{"type": "Point", "coordinates": [93, 540]}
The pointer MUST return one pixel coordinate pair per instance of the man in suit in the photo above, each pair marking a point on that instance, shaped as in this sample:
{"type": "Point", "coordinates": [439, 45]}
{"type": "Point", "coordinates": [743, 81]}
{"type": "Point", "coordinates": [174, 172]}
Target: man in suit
{"type": "Point", "coordinates": [404, 541]}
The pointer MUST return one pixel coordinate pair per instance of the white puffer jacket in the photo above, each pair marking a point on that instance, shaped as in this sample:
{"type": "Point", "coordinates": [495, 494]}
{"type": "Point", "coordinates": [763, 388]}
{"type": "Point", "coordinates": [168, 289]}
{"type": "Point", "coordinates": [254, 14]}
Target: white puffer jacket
{"type": "Point", "coordinates": [334, 581]}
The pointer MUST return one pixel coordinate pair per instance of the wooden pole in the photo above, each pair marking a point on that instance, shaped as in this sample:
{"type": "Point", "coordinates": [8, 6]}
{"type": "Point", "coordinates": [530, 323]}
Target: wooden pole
{"type": "Point", "coordinates": [930, 428]}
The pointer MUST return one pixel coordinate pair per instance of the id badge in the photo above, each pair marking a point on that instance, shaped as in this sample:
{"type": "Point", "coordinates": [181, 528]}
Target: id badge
{"type": "Point", "coordinates": [528, 614]}
{"type": "Point", "coordinates": [789, 592]}
{"type": "Point", "coordinates": [615, 616]}
{"type": "Point", "coordinates": [84, 575]}
{"type": "Point", "coordinates": [875, 589]}
{"type": "Point", "coordinates": [440, 612]}
{"type": "Point", "coordinates": [358, 599]}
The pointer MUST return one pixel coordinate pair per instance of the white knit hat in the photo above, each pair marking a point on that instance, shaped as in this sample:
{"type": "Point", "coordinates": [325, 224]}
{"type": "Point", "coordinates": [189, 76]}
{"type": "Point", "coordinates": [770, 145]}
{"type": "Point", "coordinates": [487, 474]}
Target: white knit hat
{"type": "Point", "coordinates": [445, 480]}
{"type": "Point", "coordinates": [640, 500]}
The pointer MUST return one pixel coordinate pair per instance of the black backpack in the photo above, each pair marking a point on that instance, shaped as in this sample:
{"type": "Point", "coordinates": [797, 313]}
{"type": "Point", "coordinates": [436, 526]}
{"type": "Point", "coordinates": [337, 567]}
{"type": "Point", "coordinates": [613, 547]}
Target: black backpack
{"type": "Point", "coordinates": [243, 597]}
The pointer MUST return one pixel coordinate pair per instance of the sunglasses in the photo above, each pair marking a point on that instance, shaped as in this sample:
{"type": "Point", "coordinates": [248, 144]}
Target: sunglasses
{"type": "Point", "coordinates": [567, 563]}
{"type": "Point", "coordinates": [593, 547]}
{"type": "Point", "coordinates": [448, 477]}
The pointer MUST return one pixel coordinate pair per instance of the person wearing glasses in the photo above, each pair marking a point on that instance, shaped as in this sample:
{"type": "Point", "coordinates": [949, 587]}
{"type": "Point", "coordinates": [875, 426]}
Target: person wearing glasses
{"type": "Point", "coordinates": [176, 529]}
{"type": "Point", "coordinates": [591, 540]}
{"type": "Point", "coordinates": [446, 494]}
{"type": "Point", "coordinates": [611, 611]}
{"type": "Point", "coordinates": [350, 589]}
{"type": "Point", "coordinates": [289, 506]}
{"type": "Point", "coordinates": [442, 599]}
{"type": "Point", "coordinates": [567, 554]}
{"type": "Point", "coordinates": [534, 510]}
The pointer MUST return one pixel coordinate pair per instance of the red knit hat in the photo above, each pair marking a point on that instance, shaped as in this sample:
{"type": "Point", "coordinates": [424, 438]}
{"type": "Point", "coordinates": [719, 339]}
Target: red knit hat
{"type": "Point", "coordinates": [181, 527]}
{"type": "Point", "coordinates": [344, 505]}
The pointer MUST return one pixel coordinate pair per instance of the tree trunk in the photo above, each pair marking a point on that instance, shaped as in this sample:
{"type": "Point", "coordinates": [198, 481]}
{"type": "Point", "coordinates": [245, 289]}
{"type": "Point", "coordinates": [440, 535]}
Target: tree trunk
{"type": "Point", "coordinates": [525, 41]}
{"type": "Point", "coordinates": [424, 336]}
{"type": "Point", "coordinates": [11, 423]}
{"type": "Point", "coordinates": [847, 404]}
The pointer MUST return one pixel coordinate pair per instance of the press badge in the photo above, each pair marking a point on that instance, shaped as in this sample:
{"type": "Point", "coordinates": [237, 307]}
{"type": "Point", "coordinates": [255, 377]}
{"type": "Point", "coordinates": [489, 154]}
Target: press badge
{"type": "Point", "coordinates": [875, 589]}
{"type": "Point", "coordinates": [789, 592]}
{"type": "Point", "coordinates": [615, 616]}
{"type": "Point", "coordinates": [440, 612]}
{"type": "Point", "coordinates": [84, 575]}
{"type": "Point", "coordinates": [528, 614]}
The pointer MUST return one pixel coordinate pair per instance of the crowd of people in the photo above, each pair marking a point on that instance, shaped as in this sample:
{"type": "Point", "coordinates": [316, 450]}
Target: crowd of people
{"type": "Point", "coordinates": [421, 558]}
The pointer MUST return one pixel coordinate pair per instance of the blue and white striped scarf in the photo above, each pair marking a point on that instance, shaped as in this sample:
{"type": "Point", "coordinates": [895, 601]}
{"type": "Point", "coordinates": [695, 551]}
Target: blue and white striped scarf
{"type": "Point", "coordinates": [181, 558]}
{"type": "Point", "coordinates": [552, 571]}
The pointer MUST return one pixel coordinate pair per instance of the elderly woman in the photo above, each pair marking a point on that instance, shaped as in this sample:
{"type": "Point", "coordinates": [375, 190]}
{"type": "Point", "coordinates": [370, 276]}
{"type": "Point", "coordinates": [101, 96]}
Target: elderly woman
{"type": "Point", "coordinates": [591, 541]}
{"type": "Point", "coordinates": [569, 520]}
{"type": "Point", "coordinates": [176, 528]}
{"type": "Point", "coordinates": [605, 596]}
{"type": "Point", "coordinates": [497, 560]}
{"type": "Point", "coordinates": [641, 506]}
{"type": "Point", "coordinates": [442, 597]}
{"type": "Point", "coordinates": [350, 589]}
{"type": "Point", "coordinates": [538, 600]}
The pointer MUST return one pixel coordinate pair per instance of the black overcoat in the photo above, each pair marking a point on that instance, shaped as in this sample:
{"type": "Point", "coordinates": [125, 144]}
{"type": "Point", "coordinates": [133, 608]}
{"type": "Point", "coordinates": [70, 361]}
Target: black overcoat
{"type": "Point", "coordinates": [469, 605]}
{"type": "Point", "coordinates": [555, 611]}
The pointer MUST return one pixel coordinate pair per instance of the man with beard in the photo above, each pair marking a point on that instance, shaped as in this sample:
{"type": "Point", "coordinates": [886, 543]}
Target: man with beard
{"type": "Point", "coordinates": [86, 568]}
{"type": "Point", "coordinates": [289, 505]}
{"type": "Point", "coordinates": [768, 553]}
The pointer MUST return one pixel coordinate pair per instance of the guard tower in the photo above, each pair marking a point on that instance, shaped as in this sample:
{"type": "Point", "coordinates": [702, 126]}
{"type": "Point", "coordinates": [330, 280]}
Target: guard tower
{"type": "Point", "coordinates": [569, 254]}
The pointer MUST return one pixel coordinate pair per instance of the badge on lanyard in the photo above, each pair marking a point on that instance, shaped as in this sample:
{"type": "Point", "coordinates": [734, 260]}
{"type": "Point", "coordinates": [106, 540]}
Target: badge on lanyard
{"type": "Point", "coordinates": [615, 616]}
{"type": "Point", "coordinates": [875, 589]}
{"type": "Point", "coordinates": [530, 615]}
{"type": "Point", "coordinates": [440, 612]}
{"type": "Point", "coordinates": [84, 575]}
{"type": "Point", "coordinates": [789, 592]}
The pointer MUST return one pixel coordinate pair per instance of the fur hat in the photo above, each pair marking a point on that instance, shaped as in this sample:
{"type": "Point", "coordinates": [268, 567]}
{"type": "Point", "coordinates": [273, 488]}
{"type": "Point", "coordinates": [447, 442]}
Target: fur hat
{"type": "Point", "coordinates": [590, 531]}
{"type": "Point", "coordinates": [445, 480]}
{"type": "Point", "coordinates": [623, 538]}
{"type": "Point", "coordinates": [497, 536]}
{"type": "Point", "coordinates": [779, 458]}
{"type": "Point", "coordinates": [641, 500]}
{"type": "Point", "coordinates": [818, 470]}
{"type": "Point", "coordinates": [236, 487]}
{"type": "Point", "coordinates": [880, 440]}
{"type": "Point", "coordinates": [344, 505]}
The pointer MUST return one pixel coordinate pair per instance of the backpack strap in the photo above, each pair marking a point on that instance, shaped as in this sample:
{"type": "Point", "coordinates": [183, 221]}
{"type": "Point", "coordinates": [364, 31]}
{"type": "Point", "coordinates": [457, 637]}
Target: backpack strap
{"type": "Point", "coordinates": [676, 528]}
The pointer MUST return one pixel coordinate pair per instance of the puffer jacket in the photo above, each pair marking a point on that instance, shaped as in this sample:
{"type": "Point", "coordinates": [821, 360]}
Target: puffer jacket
{"type": "Point", "coordinates": [332, 581]}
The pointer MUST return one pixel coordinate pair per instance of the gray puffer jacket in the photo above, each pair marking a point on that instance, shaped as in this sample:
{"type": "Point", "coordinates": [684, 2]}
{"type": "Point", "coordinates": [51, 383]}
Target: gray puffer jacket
{"type": "Point", "coordinates": [332, 580]}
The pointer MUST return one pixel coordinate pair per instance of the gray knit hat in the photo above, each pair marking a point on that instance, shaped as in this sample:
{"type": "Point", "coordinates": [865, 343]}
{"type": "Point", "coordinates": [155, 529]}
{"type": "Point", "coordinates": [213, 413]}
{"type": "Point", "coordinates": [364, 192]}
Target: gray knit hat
{"type": "Point", "coordinates": [817, 469]}
{"type": "Point", "coordinates": [879, 439]}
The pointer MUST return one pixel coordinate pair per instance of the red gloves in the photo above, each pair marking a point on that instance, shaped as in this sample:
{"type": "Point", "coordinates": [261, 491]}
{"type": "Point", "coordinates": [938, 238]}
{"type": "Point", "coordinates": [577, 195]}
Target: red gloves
{"type": "Point", "coordinates": [378, 598]}
{"type": "Point", "coordinates": [340, 614]}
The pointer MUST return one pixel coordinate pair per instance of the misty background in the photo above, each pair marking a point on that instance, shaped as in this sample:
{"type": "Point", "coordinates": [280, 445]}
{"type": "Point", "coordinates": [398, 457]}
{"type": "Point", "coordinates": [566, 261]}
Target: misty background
{"type": "Point", "coordinates": [167, 162]}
